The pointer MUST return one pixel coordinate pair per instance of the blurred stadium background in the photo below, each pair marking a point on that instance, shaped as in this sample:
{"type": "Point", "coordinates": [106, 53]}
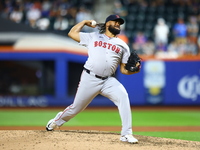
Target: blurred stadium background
{"type": "Point", "coordinates": [40, 66]}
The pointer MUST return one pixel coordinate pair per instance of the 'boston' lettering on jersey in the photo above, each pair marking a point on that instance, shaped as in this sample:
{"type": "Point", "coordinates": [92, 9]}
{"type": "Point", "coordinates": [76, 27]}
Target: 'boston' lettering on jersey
{"type": "Point", "coordinates": [107, 45]}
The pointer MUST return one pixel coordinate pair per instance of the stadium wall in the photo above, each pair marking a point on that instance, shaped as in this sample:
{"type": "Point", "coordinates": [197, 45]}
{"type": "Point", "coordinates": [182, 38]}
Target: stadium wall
{"type": "Point", "coordinates": [160, 82]}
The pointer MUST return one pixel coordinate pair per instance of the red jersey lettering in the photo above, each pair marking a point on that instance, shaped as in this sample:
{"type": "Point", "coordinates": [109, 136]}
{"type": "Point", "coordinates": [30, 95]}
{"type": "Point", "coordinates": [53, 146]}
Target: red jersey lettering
{"type": "Point", "coordinates": [113, 47]}
{"type": "Point", "coordinates": [95, 44]}
{"type": "Point", "coordinates": [107, 45]}
{"type": "Point", "coordinates": [117, 50]}
{"type": "Point", "coordinates": [104, 45]}
{"type": "Point", "coordinates": [100, 43]}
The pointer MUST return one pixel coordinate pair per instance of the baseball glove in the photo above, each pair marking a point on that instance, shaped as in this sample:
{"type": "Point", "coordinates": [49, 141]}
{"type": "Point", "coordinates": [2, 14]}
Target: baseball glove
{"type": "Point", "coordinates": [132, 61]}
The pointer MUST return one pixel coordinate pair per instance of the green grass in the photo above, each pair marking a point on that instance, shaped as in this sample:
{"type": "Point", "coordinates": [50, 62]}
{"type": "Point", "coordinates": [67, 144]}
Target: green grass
{"type": "Point", "coordinates": [166, 118]}
{"type": "Point", "coordinates": [110, 118]}
{"type": "Point", "coordinates": [102, 118]}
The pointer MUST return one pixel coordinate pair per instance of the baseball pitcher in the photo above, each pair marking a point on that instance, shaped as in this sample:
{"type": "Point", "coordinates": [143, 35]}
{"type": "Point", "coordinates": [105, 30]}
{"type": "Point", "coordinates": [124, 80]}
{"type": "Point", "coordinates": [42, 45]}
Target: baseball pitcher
{"type": "Point", "coordinates": [105, 53]}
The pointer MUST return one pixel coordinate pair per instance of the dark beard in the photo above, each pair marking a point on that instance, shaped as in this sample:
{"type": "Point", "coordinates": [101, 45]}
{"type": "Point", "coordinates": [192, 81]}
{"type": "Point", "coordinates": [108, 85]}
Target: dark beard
{"type": "Point", "coordinates": [113, 30]}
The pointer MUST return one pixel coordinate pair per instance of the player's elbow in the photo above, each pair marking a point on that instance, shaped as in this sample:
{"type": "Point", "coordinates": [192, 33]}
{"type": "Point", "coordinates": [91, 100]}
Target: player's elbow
{"type": "Point", "coordinates": [74, 36]}
{"type": "Point", "coordinates": [69, 34]}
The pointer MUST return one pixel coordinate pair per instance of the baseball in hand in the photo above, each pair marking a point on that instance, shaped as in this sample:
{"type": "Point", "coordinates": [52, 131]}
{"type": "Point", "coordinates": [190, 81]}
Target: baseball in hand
{"type": "Point", "coordinates": [93, 23]}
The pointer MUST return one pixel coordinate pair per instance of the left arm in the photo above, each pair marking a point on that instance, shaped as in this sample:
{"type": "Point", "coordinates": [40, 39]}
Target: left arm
{"type": "Point", "coordinates": [126, 72]}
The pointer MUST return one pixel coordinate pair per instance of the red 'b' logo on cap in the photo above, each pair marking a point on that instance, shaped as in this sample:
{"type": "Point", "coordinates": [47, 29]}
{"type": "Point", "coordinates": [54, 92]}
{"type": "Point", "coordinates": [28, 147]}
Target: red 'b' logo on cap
{"type": "Point", "coordinates": [117, 16]}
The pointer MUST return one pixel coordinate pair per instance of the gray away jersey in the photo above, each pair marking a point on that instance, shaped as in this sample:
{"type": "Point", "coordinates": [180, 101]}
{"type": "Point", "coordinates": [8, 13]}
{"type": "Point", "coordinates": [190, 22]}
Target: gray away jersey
{"type": "Point", "coordinates": [104, 53]}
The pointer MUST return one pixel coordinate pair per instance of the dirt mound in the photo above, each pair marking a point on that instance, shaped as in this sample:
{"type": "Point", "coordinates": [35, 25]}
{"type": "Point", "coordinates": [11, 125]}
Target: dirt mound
{"type": "Point", "coordinates": [85, 140]}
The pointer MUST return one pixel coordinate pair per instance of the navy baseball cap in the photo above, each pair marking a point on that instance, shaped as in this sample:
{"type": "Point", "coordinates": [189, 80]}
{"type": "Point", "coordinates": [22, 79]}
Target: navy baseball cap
{"type": "Point", "coordinates": [114, 18]}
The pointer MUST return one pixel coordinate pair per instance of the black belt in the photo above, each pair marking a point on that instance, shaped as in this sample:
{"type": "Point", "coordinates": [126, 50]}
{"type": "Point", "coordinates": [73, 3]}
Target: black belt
{"type": "Point", "coordinates": [88, 71]}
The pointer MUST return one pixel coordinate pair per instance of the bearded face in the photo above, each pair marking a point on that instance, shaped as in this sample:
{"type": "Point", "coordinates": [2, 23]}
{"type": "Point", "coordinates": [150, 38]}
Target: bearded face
{"type": "Point", "coordinates": [113, 30]}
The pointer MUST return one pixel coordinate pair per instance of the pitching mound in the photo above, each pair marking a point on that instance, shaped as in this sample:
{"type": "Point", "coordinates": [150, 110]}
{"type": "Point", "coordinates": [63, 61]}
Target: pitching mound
{"type": "Point", "coordinates": [85, 140]}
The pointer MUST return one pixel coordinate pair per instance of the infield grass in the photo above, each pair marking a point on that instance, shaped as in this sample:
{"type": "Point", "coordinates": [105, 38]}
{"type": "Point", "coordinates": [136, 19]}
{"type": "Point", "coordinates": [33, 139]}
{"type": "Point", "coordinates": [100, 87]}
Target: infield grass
{"type": "Point", "coordinates": [101, 118]}
{"type": "Point", "coordinates": [110, 118]}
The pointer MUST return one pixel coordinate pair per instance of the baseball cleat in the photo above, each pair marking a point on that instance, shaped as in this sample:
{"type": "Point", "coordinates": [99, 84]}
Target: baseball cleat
{"type": "Point", "coordinates": [51, 125]}
{"type": "Point", "coordinates": [129, 138]}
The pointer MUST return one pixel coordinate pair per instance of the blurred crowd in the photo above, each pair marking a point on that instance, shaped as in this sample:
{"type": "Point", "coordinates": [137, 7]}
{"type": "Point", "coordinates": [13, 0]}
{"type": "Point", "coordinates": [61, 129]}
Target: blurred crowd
{"type": "Point", "coordinates": [57, 15]}
{"type": "Point", "coordinates": [175, 26]}
{"type": "Point", "coordinates": [168, 38]}
{"type": "Point", "coordinates": [185, 40]}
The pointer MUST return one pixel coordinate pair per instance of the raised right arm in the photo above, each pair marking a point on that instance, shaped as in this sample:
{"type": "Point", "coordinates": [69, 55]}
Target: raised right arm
{"type": "Point", "coordinates": [75, 30]}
